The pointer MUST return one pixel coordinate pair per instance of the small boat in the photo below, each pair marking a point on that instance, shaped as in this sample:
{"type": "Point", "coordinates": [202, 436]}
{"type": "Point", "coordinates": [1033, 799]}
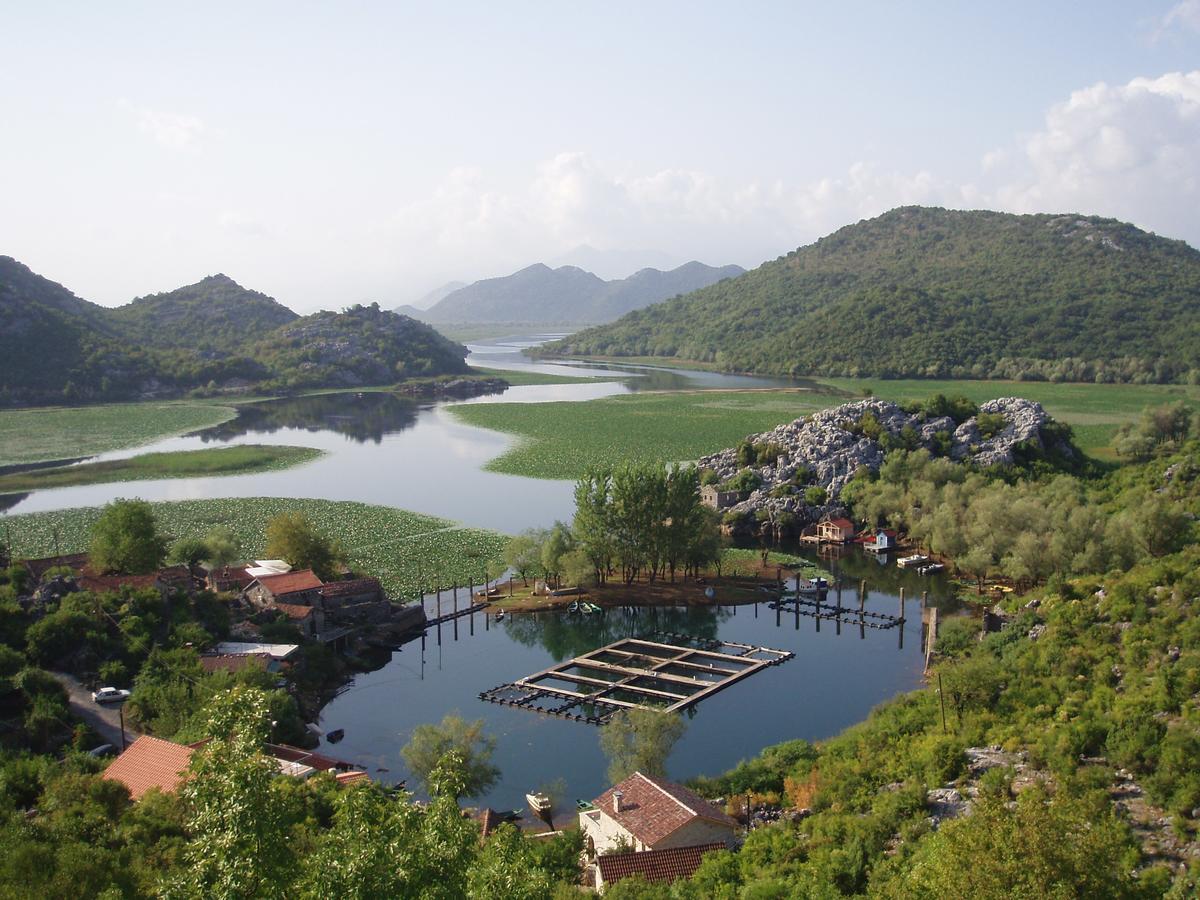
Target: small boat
{"type": "Point", "coordinates": [336, 735]}
{"type": "Point", "coordinates": [593, 608]}
{"type": "Point", "coordinates": [584, 805]}
{"type": "Point", "coordinates": [500, 615]}
{"type": "Point", "coordinates": [574, 607]}
{"type": "Point", "coordinates": [539, 804]}
{"type": "Point", "coordinates": [930, 568]}
{"type": "Point", "coordinates": [912, 562]}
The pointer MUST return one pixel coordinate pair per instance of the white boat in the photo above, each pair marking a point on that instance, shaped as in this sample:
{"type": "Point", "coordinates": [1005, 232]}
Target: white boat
{"type": "Point", "coordinates": [912, 562]}
{"type": "Point", "coordinates": [539, 804]}
{"type": "Point", "coordinates": [930, 568]}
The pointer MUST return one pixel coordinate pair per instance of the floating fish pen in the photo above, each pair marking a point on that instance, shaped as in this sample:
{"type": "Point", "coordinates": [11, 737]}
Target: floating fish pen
{"type": "Point", "coordinates": [672, 673]}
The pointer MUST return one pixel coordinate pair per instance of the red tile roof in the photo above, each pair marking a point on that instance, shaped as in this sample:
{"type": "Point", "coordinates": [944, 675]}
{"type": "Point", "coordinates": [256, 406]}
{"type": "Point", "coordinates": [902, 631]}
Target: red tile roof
{"type": "Point", "coordinates": [105, 584]}
{"type": "Point", "coordinates": [290, 582]}
{"type": "Point", "coordinates": [651, 808]}
{"type": "Point", "coordinates": [321, 763]}
{"type": "Point", "coordinates": [655, 865]}
{"type": "Point", "coordinates": [349, 588]}
{"type": "Point", "coordinates": [150, 762]}
{"type": "Point", "coordinates": [235, 662]}
{"type": "Point", "coordinates": [38, 567]}
{"type": "Point", "coordinates": [842, 523]}
{"type": "Point", "coordinates": [294, 611]}
{"type": "Point", "coordinates": [231, 574]}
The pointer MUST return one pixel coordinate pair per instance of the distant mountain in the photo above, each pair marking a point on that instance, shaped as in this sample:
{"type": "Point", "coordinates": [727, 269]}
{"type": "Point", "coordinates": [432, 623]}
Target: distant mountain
{"type": "Point", "coordinates": [213, 336]}
{"type": "Point", "coordinates": [539, 293]}
{"type": "Point", "coordinates": [216, 312]}
{"type": "Point", "coordinates": [614, 264]}
{"type": "Point", "coordinates": [920, 292]}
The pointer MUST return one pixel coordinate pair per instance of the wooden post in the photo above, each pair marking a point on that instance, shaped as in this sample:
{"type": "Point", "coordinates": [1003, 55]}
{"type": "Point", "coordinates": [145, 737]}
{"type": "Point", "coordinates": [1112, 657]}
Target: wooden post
{"type": "Point", "coordinates": [924, 599]}
{"type": "Point", "coordinates": [839, 608]}
{"type": "Point", "coordinates": [900, 622]}
{"type": "Point", "coordinates": [930, 636]}
{"type": "Point", "coordinates": [439, 599]}
{"type": "Point", "coordinates": [942, 701]}
{"type": "Point", "coordinates": [121, 713]}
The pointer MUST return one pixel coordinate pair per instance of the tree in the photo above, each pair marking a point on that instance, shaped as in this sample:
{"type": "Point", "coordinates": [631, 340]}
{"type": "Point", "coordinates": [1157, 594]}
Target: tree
{"type": "Point", "coordinates": [431, 744]}
{"type": "Point", "coordinates": [1060, 847]}
{"type": "Point", "coordinates": [239, 843]}
{"type": "Point", "coordinates": [558, 543]}
{"type": "Point", "coordinates": [188, 551]}
{"type": "Point", "coordinates": [292, 536]}
{"type": "Point", "coordinates": [523, 552]}
{"type": "Point", "coordinates": [223, 546]}
{"type": "Point", "coordinates": [125, 539]}
{"type": "Point", "coordinates": [640, 740]}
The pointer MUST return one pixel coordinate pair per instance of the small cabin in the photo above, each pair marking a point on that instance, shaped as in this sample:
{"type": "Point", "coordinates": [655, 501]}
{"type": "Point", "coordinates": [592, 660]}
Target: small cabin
{"type": "Point", "coordinates": [711, 495]}
{"type": "Point", "coordinates": [883, 540]}
{"type": "Point", "coordinates": [835, 531]}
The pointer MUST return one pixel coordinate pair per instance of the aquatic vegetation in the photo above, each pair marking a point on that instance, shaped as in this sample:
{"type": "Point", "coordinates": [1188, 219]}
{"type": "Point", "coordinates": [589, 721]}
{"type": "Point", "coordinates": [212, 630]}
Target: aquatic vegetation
{"type": "Point", "coordinates": [239, 460]}
{"type": "Point", "coordinates": [409, 552]}
{"type": "Point", "coordinates": [36, 435]}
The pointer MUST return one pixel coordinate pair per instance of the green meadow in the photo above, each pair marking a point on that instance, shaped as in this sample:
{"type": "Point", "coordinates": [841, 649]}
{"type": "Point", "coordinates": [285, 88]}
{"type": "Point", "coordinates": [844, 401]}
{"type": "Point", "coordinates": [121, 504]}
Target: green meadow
{"type": "Point", "coordinates": [409, 552]}
{"type": "Point", "coordinates": [240, 460]}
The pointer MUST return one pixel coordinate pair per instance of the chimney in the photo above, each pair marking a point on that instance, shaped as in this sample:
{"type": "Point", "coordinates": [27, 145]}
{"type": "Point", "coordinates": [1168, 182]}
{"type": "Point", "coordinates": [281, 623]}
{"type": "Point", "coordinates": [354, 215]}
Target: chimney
{"type": "Point", "coordinates": [617, 797]}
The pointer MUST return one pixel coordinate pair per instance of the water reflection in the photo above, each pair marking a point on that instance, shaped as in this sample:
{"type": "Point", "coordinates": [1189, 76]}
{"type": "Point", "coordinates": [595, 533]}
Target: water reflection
{"type": "Point", "coordinates": [572, 634]}
{"type": "Point", "coordinates": [362, 417]}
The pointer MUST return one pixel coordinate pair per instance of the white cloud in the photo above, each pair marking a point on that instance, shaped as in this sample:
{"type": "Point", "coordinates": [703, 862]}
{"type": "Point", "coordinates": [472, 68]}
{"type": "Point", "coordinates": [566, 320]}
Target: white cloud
{"type": "Point", "coordinates": [1185, 14]}
{"type": "Point", "coordinates": [175, 131]}
{"type": "Point", "coordinates": [1131, 151]}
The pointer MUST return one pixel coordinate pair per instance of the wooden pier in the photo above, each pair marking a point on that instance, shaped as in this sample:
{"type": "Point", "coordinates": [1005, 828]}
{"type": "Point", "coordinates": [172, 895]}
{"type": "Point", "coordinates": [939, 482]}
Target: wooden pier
{"type": "Point", "coordinates": [456, 614]}
{"type": "Point", "coordinates": [670, 674]}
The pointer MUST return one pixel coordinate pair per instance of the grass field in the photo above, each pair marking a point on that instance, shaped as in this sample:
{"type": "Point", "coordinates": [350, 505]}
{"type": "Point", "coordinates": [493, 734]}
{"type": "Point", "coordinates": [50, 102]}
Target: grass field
{"type": "Point", "coordinates": [37, 435]}
{"type": "Point", "coordinates": [560, 440]}
{"type": "Point", "coordinates": [239, 460]}
{"type": "Point", "coordinates": [409, 552]}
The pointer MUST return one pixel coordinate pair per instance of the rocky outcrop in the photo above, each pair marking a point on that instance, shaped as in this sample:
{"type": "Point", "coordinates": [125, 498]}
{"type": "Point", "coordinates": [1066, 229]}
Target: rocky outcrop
{"type": "Point", "coordinates": [828, 447]}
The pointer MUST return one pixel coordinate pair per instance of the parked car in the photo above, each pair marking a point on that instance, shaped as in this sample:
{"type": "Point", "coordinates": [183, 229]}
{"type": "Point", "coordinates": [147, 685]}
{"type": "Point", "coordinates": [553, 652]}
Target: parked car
{"type": "Point", "coordinates": [110, 695]}
{"type": "Point", "coordinates": [103, 750]}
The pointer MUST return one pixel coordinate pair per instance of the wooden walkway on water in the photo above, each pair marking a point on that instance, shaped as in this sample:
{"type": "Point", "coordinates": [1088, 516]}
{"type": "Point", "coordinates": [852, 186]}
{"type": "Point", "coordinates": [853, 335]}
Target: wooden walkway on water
{"type": "Point", "coordinates": [670, 674]}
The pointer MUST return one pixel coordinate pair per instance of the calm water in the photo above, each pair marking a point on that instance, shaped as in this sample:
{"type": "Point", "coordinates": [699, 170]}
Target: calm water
{"type": "Point", "coordinates": [415, 455]}
{"type": "Point", "coordinates": [833, 681]}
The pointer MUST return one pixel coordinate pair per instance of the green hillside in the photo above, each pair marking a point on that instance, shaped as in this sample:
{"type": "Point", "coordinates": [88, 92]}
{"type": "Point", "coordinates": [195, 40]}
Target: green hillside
{"type": "Point", "coordinates": [921, 292]}
{"type": "Point", "coordinates": [214, 336]}
{"type": "Point", "coordinates": [215, 313]}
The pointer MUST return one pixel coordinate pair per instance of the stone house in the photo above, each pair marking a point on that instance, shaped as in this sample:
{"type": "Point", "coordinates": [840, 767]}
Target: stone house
{"type": "Point", "coordinates": [645, 813]}
{"type": "Point", "coordinates": [302, 588]}
{"type": "Point", "coordinates": [711, 495]}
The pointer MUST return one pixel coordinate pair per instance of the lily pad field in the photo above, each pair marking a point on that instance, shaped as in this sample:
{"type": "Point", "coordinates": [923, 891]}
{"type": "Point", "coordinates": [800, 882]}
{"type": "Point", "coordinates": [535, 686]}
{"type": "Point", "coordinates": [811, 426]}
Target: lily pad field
{"type": "Point", "coordinates": [410, 553]}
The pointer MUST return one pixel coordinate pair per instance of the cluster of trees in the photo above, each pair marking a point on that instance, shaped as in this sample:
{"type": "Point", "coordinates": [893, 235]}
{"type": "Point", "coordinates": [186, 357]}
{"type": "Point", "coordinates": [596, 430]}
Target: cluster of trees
{"type": "Point", "coordinates": [982, 295]}
{"type": "Point", "coordinates": [1025, 531]}
{"type": "Point", "coordinates": [630, 521]}
{"type": "Point", "coordinates": [644, 519]}
{"type": "Point", "coordinates": [1160, 428]}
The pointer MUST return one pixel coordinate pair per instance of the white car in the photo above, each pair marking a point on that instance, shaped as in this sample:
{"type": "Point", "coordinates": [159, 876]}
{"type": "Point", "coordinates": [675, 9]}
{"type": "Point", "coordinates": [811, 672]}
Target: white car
{"type": "Point", "coordinates": [110, 695]}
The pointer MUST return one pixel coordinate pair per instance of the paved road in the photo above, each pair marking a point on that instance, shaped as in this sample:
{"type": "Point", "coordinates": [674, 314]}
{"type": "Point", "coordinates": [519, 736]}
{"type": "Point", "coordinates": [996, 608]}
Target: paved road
{"type": "Point", "coordinates": [104, 719]}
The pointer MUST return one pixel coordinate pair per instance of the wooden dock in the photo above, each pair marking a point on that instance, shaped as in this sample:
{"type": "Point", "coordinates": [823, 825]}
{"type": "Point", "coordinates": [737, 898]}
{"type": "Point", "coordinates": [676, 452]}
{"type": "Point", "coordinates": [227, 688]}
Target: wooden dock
{"type": "Point", "coordinates": [670, 674]}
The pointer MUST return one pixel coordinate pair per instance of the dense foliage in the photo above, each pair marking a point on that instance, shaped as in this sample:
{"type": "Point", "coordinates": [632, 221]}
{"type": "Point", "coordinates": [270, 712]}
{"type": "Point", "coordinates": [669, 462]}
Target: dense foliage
{"type": "Point", "coordinates": [935, 293]}
{"type": "Point", "coordinates": [210, 337]}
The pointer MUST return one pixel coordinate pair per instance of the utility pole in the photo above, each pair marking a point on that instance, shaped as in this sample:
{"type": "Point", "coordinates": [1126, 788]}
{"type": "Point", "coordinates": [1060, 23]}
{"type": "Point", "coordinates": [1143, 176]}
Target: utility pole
{"type": "Point", "coordinates": [121, 713]}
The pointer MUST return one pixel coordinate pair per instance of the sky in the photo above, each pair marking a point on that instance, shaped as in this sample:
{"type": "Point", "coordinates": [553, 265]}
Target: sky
{"type": "Point", "coordinates": [329, 154]}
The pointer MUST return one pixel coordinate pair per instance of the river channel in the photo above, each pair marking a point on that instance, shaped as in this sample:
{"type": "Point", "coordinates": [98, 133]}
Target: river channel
{"type": "Point", "coordinates": [415, 455]}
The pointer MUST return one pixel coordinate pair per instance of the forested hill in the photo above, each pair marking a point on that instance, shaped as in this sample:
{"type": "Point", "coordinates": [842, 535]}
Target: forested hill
{"type": "Point", "coordinates": [215, 312]}
{"type": "Point", "coordinates": [214, 336]}
{"type": "Point", "coordinates": [920, 292]}
{"type": "Point", "coordinates": [539, 293]}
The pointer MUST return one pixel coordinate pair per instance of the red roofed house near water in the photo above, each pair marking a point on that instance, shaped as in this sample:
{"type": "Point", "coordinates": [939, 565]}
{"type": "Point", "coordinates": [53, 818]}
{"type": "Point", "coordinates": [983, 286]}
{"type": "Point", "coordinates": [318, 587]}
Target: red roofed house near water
{"type": "Point", "coordinates": [647, 813]}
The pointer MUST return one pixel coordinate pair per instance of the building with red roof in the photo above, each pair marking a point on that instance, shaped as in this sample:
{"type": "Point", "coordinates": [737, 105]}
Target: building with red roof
{"type": "Point", "coordinates": [151, 763]}
{"type": "Point", "coordinates": [648, 813]}
{"type": "Point", "coordinates": [663, 866]}
{"type": "Point", "coordinates": [300, 588]}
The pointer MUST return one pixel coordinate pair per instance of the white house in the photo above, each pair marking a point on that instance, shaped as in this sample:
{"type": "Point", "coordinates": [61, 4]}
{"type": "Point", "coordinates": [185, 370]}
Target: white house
{"type": "Point", "coordinates": [645, 813]}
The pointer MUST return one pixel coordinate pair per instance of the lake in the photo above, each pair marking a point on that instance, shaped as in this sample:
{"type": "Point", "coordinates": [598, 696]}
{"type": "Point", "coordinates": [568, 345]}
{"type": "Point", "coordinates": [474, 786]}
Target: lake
{"type": "Point", "coordinates": [414, 455]}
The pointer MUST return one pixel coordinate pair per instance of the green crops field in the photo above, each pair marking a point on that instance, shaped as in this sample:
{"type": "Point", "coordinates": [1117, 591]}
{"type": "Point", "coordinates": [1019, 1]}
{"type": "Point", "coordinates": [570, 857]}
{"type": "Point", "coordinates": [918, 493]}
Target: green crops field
{"type": "Point", "coordinates": [409, 552]}
{"type": "Point", "coordinates": [240, 460]}
{"type": "Point", "coordinates": [560, 440]}
{"type": "Point", "coordinates": [38, 435]}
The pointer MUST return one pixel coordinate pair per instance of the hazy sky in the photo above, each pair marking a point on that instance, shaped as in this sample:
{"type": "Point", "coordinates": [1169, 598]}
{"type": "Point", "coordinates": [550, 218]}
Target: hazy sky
{"type": "Point", "coordinates": [333, 153]}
